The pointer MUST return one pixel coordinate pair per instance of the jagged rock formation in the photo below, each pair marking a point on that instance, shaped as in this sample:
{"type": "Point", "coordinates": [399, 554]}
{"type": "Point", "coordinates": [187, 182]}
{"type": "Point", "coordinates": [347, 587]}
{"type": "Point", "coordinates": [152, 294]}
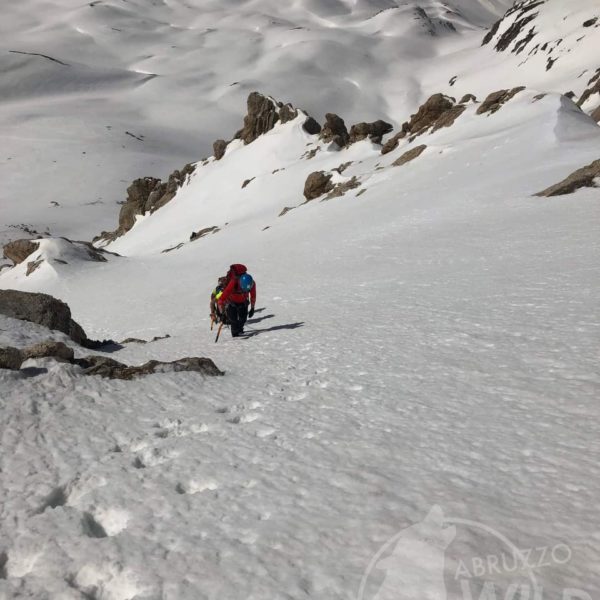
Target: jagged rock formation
{"type": "Point", "coordinates": [409, 155]}
{"type": "Point", "coordinates": [339, 189]}
{"type": "Point", "coordinates": [317, 184]}
{"type": "Point", "coordinates": [588, 176]}
{"type": "Point", "coordinates": [146, 195]}
{"type": "Point", "coordinates": [196, 235]}
{"type": "Point", "coordinates": [263, 114]}
{"type": "Point", "coordinates": [438, 111]}
{"type": "Point", "coordinates": [593, 89]}
{"type": "Point", "coordinates": [494, 102]}
{"type": "Point", "coordinates": [112, 369]}
{"type": "Point", "coordinates": [468, 98]}
{"type": "Point", "coordinates": [19, 250]}
{"type": "Point", "coordinates": [520, 16]}
{"type": "Point", "coordinates": [45, 310]}
{"type": "Point", "coordinates": [375, 131]}
{"type": "Point", "coordinates": [335, 130]}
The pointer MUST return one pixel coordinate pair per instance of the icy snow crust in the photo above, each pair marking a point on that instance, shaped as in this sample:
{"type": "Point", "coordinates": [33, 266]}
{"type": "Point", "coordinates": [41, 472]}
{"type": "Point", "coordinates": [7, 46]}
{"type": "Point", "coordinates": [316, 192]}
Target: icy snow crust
{"type": "Point", "coordinates": [431, 341]}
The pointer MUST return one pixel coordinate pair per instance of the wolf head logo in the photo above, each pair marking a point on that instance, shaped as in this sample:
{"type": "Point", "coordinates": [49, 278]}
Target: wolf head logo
{"type": "Point", "coordinates": [415, 568]}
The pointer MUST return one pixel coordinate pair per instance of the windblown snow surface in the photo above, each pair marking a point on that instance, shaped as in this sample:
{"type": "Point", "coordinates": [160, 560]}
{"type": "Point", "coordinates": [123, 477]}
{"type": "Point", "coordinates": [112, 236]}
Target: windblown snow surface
{"type": "Point", "coordinates": [426, 344]}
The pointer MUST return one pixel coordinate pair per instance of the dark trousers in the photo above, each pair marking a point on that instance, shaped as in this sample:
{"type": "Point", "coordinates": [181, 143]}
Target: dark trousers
{"type": "Point", "coordinates": [236, 316]}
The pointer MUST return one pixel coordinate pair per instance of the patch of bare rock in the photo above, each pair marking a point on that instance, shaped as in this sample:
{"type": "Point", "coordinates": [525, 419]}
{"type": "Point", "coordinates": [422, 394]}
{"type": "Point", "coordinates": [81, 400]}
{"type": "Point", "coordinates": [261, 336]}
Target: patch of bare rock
{"type": "Point", "coordinates": [588, 176]}
{"type": "Point", "coordinates": [409, 155]}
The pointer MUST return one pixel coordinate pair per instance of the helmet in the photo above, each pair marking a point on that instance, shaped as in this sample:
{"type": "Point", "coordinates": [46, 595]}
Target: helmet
{"type": "Point", "coordinates": [246, 282]}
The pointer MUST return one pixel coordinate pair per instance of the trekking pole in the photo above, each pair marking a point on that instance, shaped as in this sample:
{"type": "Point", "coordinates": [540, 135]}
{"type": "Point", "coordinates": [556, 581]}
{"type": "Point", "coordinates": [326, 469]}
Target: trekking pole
{"type": "Point", "coordinates": [219, 332]}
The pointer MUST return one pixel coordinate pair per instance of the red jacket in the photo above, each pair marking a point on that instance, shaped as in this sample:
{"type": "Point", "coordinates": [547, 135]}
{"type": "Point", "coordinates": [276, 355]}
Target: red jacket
{"type": "Point", "coordinates": [231, 295]}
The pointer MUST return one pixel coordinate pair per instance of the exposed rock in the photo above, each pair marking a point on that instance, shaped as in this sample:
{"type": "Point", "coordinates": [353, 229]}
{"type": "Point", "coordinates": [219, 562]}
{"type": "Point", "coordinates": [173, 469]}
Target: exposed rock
{"type": "Point", "coordinates": [410, 155]}
{"type": "Point", "coordinates": [494, 102]}
{"type": "Point", "coordinates": [596, 115]}
{"type": "Point", "coordinates": [341, 188]}
{"type": "Point", "coordinates": [317, 184]}
{"type": "Point", "coordinates": [146, 194]}
{"type": "Point", "coordinates": [429, 113]}
{"type": "Point", "coordinates": [343, 167]}
{"type": "Point", "coordinates": [521, 16]}
{"type": "Point", "coordinates": [584, 177]}
{"type": "Point", "coordinates": [394, 141]}
{"type": "Point", "coordinates": [132, 340]}
{"type": "Point", "coordinates": [335, 130]}
{"type": "Point", "coordinates": [58, 350]}
{"type": "Point", "coordinates": [287, 113]}
{"type": "Point", "coordinates": [447, 118]}
{"type": "Point", "coordinates": [311, 126]}
{"type": "Point", "coordinates": [468, 98]}
{"type": "Point", "coordinates": [32, 266]}
{"type": "Point", "coordinates": [590, 22]}
{"type": "Point", "coordinates": [10, 358]}
{"type": "Point", "coordinates": [196, 235]}
{"type": "Point", "coordinates": [375, 131]}
{"type": "Point", "coordinates": [47, 311]}
{"type": "Point", "coordinates": [589, 92]}
{"type": "Point", "coordinates": [19, 250]}
{"type": "Point", "coordinates": [219, 148]}
{"type": "Point", "coordinates": [286, 210]}
{"type": "Point", "coordinates": [311, 153]}
{"type": "Point", "coordinates": [263, 114]}
{"type": "Point", "coordinates": [247, 182]}
{"type": "Point", "coordinates": [112, 369]}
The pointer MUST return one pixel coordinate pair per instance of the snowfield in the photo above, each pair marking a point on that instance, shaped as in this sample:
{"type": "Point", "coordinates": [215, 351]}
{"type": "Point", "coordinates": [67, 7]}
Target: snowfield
{"type": "Point", "coordinates": [429, 338]}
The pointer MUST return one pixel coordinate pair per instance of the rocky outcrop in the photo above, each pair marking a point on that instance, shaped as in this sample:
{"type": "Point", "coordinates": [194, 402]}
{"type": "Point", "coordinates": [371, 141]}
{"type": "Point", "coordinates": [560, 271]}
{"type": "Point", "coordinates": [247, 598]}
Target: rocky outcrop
{"type": "Point", "coordinates": [112, 369]}
{"type": "Point", "coordinates": [317, 184]}
{"type": "Point", "coordinates": [410, 155]}
{"type": "Point", "coordinates": [196, 235]}
{"type": "Point", "coordinates": [146, 195]}
{"type": "Point", "coordinates": [10, 358]}
{"type": "Point", "coordinates": [311, 126]}
{"type": "Point", "coordinates": [494, 102]}
{"type": "Point", "coordinates": [19, 250]}
{"type": "Point", "coordinates": [596, 115]}
{"type": "Point", "coordinates": [516, 30]}
{"type": "Point", "coordinates": [438, 111]}
{"type": "Point", "coordinates": [47, 311]}
{"type": "Point", "coordinates": [339, 189]}
{"type": "Point", "coordinates": [374, 131]}
{"type": "Point", "coordinates": [49, 348]}
{"type": "Point", "coordinates": [594, 88]}
{"type": "Point", "coordinates": [335, 130]}
{"type": "Point", "coordinates": [468, 98]}
{"type": "Point", "coordinates": [587, 176]}
{"type": "Point", "coordinates": [219, 148]}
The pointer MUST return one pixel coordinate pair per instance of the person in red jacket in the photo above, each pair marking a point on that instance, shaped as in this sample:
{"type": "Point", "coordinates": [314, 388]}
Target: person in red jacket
{"type": "Point", "coordinates": [239, 292]}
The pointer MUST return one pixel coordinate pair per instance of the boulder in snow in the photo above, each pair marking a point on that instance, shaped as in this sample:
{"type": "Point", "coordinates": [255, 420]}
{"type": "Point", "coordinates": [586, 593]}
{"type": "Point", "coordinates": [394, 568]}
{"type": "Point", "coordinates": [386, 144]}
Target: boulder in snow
{"type": "Point", "coordinates": [49, 348]}
{"type": "Point", "coordinates": [494, 102]}
{"type": "Point", "coordinates": [410, 155]}
{"type": "Point", "coordinates": [219, 148]}
{"type": "Point", "coordinates": [317, 184]}
{"type": "Point", "coordinates": [335, 130]}
{"type": "Point", "coordinates": [375, 131]}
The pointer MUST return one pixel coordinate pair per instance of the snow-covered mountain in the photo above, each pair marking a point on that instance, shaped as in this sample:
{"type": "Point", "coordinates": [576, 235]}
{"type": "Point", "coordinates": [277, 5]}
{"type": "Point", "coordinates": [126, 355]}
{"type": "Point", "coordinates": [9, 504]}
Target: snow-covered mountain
{"type": "Point", "coordinates": [427, 327]}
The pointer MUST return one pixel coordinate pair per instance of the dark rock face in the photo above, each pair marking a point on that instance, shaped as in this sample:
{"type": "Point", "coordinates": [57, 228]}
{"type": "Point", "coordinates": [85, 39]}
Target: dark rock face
{"type": "Point", "coordinates": [196, 235]}
{"type": "Point", "coordinates": [335, 130]}
{"type": "Point", "coordinates": [494, 102]}
{"type": "Point", "coordinates": [317, 184]}
{"type": "Point", "coordinates": [596, 115]}
{"type": "Point", "coordinates": [410, 155]}
{"type": "Point", "coordinates": [339, 189]}
{"type": "Point", "coordinates": [311, 126]}
{"type": "Point", "coordinates": [581, 178]}
{"type": "Point", "coordinates": [112, 369]}
{"type": "Point", "coordinates": [594, 88]}
{"type": "Point", "coordinates": [19, 250]}
{"type": "Point", "coordinates": [47, 311]}
{"type": "Point", "coordinates": [144, 195]}
{"type": "Point", "coordinates": [219, 147]}
{"type": "Point", "coordinates": [49, 348]}
{"type": "Point", "coordinates": [43, 310]}
{"type": "Point", "coordinates": [263, 114]}
{"type": "Point", "coordinates": [447, 118]}
{"type": "Point", "coordinates": [468, 98]}
{"type": "Point", "coordinates": [375, 131]}
{"type": "Point", "coordinates": [10, 358]}
{"type": "Point", "coordinates": [521, 15]}
{"type": "Point", "coordinates": [394, 141]}
{"type": "Point", "coordinates": [429, 113]}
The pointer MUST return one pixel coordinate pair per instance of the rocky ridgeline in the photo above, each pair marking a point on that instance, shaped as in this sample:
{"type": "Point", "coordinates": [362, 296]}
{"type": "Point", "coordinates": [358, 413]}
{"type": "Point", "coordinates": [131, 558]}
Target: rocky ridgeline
{"type": "Point", "coordinates": [146, 195]}
{"type": "Point", "coordinates": [54, 314]}
{"type": "Point", "coordinates": [588, 176]}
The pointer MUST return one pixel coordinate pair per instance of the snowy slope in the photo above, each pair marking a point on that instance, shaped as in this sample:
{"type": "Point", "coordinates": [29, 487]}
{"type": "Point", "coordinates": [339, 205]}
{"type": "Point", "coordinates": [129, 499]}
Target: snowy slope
{"type": "Point", "coordinates": [428, 338]}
